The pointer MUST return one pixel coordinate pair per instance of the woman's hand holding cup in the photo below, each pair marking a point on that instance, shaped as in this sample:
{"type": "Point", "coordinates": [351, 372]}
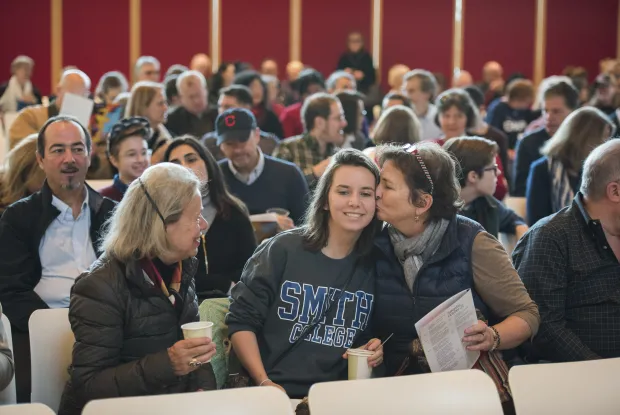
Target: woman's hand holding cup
{"type": "Point", "coordinates": [188, 355]}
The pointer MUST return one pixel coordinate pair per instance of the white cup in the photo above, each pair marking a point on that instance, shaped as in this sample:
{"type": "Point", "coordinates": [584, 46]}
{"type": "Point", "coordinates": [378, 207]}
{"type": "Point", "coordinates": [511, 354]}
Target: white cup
{"type": "Point", "coordinates": [358, 364]}
{"type": "Point", "coordinates": [197, 330]}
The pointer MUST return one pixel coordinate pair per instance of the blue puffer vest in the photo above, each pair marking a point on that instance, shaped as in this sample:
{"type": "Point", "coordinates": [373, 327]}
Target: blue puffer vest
{"type": "Point", "coordinates": [445, 274]}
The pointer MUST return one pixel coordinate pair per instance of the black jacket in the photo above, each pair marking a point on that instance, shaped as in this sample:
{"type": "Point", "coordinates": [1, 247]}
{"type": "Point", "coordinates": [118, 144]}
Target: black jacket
{"type": "Point", "coordinates": [22, 227]}
{"type": "Point", "coordinates": [123, 326]}
{"type": "Point", "coordinates": [230, 243]}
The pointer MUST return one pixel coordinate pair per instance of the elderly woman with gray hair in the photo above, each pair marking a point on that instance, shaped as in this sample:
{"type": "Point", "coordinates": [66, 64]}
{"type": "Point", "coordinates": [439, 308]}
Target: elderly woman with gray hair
{"type": "Point", "coordinates": [127, 309]}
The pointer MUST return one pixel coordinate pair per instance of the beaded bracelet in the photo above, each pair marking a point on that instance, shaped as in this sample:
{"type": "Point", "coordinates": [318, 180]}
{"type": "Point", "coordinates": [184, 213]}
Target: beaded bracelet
{"type": "Point", "coordinates": [497, 340]}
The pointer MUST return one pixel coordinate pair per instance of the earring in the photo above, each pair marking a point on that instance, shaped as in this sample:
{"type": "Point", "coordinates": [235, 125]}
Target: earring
{"type": "Point", "coordinates": [416, 218]}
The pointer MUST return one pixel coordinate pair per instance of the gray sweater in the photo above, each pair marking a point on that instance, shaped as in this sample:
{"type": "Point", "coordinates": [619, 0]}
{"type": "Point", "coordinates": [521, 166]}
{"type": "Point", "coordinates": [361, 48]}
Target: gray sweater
{"type": "Point", "coordinates": [282, 289]}
{"type": "Point", "coordinates": [7, 368]}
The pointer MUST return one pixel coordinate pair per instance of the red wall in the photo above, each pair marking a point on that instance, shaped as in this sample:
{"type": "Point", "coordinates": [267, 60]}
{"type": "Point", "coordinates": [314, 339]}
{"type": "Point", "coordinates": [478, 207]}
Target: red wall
{"type": "Point", "coordinates": [256, 31]}
{"type": "Point", "coordinates": [580, 33]}
{"type": "Point", "coordinates": [513, 47]}
{"type": "Point", "coordinates": [26, 32]}
{"type": "Point", "coordinates": [173, 31]}
{"type": "Point", "coordinates": [96, 45]}
{"type": "Point", "coordinates": [415, 32]}
{"type": "Point", "coordinates": [325, 25]}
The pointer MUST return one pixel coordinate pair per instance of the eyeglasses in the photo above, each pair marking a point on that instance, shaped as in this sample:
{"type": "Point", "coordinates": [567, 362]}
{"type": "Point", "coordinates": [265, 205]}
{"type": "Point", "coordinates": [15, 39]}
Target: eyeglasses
{"type": "Point", "coordinates": [494, 168]}
{"type": "Point", "coordinates": [148, 196]}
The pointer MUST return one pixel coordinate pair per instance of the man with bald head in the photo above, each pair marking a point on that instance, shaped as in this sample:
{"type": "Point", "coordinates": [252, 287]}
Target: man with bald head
{"type": "Point", "coordinates": [193, 116]}
{"type": "Point", "coordinates": [569, 263]}
{"type": "Point", "coordinates": [201, 62]}
{"type": "Point", "coordinates": [31, 119]}
{"type": "Point", "coordinates": [492, 81]}
{"type": "Point", "coordinates": [269, 67]}
{"type": "Point", "coordinates": [49, 238]}
{"type": "Point", "coordinates": [463, 79]}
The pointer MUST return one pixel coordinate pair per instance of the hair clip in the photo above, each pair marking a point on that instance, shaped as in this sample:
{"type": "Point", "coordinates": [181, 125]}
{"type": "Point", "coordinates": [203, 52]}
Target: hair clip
{"type": "Point", "coordinates": [412, 149]}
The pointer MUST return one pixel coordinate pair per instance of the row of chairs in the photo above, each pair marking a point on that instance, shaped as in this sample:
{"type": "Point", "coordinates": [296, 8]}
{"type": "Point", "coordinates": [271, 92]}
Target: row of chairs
{"type": "Point", "coordinates": [567, 388]}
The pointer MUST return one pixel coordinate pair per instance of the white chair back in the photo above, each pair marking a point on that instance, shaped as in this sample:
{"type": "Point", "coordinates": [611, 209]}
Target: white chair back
{"type": "Point", "coordinates": [446, 393]}
{"type": "Point", "coordinates": [255, 401]}
{"type": "Point", "coordinates": [566, 388]}
{"type": "Point", "coordinates": [99, 184]}
{"type": "Point", "coordinates": [9, 394]}
{"type": "Point", "coordinates": [27, 409]}
{"type": "Point", "coordinates": [51, 345]}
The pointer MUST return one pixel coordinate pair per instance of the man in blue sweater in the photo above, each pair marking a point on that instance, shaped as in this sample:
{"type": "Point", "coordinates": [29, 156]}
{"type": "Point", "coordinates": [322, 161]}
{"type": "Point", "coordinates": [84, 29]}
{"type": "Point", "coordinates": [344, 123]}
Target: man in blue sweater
{"type": "Point", "coordinates": [260, 181]}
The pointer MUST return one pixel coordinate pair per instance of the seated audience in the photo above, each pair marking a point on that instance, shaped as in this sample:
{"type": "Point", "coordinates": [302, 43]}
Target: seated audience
{"type": "Point", "coordinates": [176, 69]}
{"type": "Point", "coordinates": [7, 366]}
{"type": "Point", "coordinates": [229, 242]}
{"type": "Point", "coordinates": [569, 264]}
{"type": "Point", "coordinates": [478, 179]}
{"type": "Point", "coordinates": [604, 92]}
{"type": "Point", "coordinates": [395, 78]}
{"type": "Point", "coordinates": [21, 175]}
{"type": "Point", "coordinates": [201, 62]}
{"type": "Point", "coordinates": [513, 113]}
{"type": "Point", "coordinates": [285, 288]}
{"type": "Point", "coordinates": [554, 179]}
{"type": "Point", "coordinates": [484, 130]}
{"type": "Point", "coordinates": [50, 237]}
{"type": "Point", "coordinates": [19, 92]}
{"type": "Point", "coordinates": [323, 121]}
{"type": "Point", "coordinates": [463, 80]}
{"type": "Point", "coordinates": [223, 78]}
{"type": "Point", "coordinates": [340, 81]}
{"type": "Point", "coordinates": [31, 119]}
{"type": "Point", "coordinates": [309, 82]}
{"type": "Point", "coordinates": [127, 309]}
{"type": "Point", "coordinates": [128, 153]}
{"type": "Point", "coordinates": [269, 67]}
{"type": "Point", "coordinates": [492, 84]}
{"type": "Point", "coordinates": [287, 87]}
{"type": "Point", "coordinates": [395, 98]}
{"type": "Point", "coordinates": [420, 87]}
{"type": "Point", "coordinates": [358, 62]}
{"type": "Point", "coordinates": [266, 118]}
{"type": "Point", "coordinates": [354, 113]}
{"type": "Point", "coordinates": [428, 253]}
{"type": "Point", "coordinates": [560, 98]}
{"type": "Point", "coordinates": [148, 100]}
{"type": "Point", "coordinates": [397, 125]}
{"type": "Point", "coordinates": [237, 96]}
{"type": "Point", "coordinates": [110, 85]}
{"type": "Point", "coordinates": [260, 181]}
{"type": "Point", "coordinates": [273, 94]}
{"type": "Point", "coordinates": [193, 117]}
{"type": "Point", "coordinates": [457, 114]}
{"type": "Point", "coordinates": [147, 68]}
{"type": "Point", "coordinates": [172, 93]}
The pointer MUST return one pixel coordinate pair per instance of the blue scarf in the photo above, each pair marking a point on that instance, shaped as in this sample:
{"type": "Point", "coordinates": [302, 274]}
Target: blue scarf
{"type": "Point", "coordinates": [118, 185]}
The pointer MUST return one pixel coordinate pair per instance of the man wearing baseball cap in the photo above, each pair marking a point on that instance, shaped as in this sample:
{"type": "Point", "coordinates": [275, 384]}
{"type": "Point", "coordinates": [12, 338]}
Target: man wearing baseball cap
{"type": "Point", "coordinates": [260, 181]}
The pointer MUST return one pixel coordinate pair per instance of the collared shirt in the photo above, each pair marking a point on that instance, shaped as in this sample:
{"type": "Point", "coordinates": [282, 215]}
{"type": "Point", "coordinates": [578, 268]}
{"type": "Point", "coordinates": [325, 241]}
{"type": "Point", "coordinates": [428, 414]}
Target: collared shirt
{"type": "Point", "coordinates": [571, 272]}
{"type": "Point", "coordinates": [66, 251]}
{"type": "Point", "coordinates": [430, 130]}
{"type": "Point", "coordinates": [304, 151]}
{"type": "Point", "coordinates": [248, 179]}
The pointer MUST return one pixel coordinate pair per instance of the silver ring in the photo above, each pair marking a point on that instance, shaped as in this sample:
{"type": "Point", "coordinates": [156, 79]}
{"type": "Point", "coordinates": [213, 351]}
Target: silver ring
{"type": "Point", "coordinates": [195, 363]}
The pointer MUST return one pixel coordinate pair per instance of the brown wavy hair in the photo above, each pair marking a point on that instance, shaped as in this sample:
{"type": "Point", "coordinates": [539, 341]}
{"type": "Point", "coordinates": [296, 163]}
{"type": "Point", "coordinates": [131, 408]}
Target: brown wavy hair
{"type": "Point", "coordinates": [21, 172]}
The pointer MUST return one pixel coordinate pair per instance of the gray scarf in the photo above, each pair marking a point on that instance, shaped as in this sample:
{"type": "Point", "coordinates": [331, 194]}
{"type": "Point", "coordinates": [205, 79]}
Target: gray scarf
{"type": "Point", "coordinates": [413, 252]}
{"type": "Point", "coordinates": [208, 210]}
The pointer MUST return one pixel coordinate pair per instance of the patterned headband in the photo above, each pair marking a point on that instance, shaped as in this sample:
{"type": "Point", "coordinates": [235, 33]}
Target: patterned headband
{"type": "Point", "coordinates": [411, 149]}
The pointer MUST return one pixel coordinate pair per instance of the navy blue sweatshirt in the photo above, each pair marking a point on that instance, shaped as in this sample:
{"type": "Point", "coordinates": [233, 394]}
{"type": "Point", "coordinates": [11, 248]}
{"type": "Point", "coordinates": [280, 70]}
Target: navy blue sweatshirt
{"type": "Point", "coordinates": [283, 288]}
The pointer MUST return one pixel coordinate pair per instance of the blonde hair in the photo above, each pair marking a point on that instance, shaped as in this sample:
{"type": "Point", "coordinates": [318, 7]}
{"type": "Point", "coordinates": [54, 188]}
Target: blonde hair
{"type": "Point", "coordinates": [142, 94]}
{"type": "Point", "coordinates": [580, 133]}
{"type": "Point", "coordinates": [397, 124]}
{"type": "Point", "coordinates": [396, 74]}
{"type": "Point", "coordinates": [21, 171]}
{"type": "Point", "coordinates": [20, 62]}
{"type": "Point", "coordinates": [135, 230]}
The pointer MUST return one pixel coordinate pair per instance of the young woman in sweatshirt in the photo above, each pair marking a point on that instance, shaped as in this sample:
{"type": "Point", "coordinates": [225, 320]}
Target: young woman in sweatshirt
{"type": "Point", "coordinates": [316, 273]}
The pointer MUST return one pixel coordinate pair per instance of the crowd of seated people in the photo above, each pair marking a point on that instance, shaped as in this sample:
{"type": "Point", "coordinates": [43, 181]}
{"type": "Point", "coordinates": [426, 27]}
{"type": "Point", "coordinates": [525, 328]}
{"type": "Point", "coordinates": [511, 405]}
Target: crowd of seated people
{"type": "Point", "coordinates": [372, 204]}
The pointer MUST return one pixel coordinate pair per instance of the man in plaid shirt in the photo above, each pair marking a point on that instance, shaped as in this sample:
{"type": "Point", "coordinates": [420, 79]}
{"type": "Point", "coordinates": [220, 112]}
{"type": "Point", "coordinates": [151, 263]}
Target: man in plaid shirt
{"type": "Point", "coordinates": [569, 264]}
{"type": "Point", "coordinates": [323, 119]}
